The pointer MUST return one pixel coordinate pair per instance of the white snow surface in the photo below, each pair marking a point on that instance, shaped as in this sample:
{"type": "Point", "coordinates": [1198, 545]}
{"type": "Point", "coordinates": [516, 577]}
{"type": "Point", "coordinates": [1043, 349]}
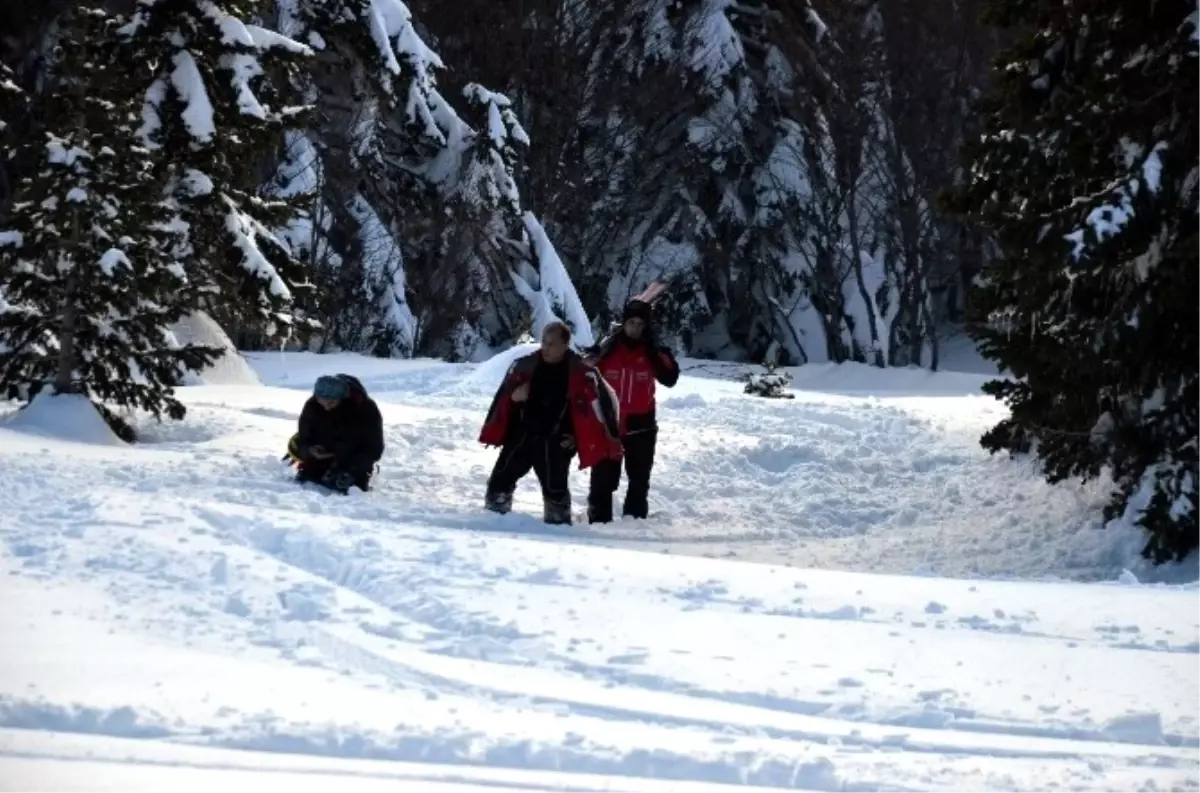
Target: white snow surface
{"type": "Point", "coordinates": [180, 615]}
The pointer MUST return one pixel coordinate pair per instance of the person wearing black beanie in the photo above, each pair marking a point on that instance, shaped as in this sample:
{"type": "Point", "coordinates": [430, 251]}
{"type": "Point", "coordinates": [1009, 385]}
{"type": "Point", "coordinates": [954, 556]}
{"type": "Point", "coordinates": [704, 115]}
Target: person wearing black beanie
{"type": "Point", "coordinates": [632, 363]}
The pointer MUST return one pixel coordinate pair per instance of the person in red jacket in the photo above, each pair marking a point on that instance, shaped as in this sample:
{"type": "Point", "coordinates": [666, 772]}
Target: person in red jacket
{"type": "Point", "coordinates": [550, 406]}
{"type": "Point", "coordinates": [631, 362]}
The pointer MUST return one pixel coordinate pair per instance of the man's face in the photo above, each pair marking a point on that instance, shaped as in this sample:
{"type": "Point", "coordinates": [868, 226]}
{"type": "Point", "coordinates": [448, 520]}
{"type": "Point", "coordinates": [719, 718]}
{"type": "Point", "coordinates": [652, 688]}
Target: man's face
{"type": "Point", "coordinates": [328, 403]}
{"type": "Point", "coordinates": [635, 327]}
{"type": "Point", "coordinates": [554, 349]}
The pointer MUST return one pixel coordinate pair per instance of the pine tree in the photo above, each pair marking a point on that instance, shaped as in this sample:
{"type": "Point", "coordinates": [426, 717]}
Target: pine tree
{"type": "Point", "coordinates": [443, 183]}
{"type": "Point", "coordinates": [1086, 179]}
{"type": "Point", "coordinates": [13, 102]}
{"type": "Point", "coordinates": [379, 126]}
{"type": "Point", "coordinates": [90, 282]}
{"type": "Point", "coordinates": [219, 95]}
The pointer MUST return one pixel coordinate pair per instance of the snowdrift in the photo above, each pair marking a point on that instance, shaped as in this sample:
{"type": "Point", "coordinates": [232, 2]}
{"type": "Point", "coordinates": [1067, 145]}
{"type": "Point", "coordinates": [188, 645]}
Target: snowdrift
{"type": "Point", "coordinates": [230, 369]}
{"type": "Point", "coordinates": [70, 417]}
{"type": "Point", "coordinates": [486, 377]}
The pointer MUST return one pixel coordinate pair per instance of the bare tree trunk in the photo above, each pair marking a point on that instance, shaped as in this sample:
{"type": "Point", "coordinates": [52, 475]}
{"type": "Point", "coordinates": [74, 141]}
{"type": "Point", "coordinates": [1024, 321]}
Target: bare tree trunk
{"type": "Point", "coordinates": [64, 379]}
{"type": "Point", "coordinates": [856, 263]}
{"type": "Point", "coordinates": [933, 337]}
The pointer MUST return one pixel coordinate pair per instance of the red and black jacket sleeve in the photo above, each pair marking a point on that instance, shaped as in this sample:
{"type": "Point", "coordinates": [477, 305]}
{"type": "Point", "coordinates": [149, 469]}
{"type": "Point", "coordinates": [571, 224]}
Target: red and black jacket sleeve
{"type": "Point", "coordinates": [666, 368]}
{"type": "Point", "coordinates": [606, 398]}
{"type": "Point", "coordinates": [495, 424]}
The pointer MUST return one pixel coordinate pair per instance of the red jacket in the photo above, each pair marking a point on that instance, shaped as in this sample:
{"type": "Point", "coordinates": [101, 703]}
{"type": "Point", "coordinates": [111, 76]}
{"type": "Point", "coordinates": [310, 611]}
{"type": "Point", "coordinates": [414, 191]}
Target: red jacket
{"type": "Point", "coordinates": [632, 370]}
{"type": "Point", "coordinates": [593, 406]}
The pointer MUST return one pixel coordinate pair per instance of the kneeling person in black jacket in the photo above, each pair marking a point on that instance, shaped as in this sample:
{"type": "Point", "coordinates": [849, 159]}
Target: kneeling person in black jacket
{"type": "Point", "coordinates": [341, 435]}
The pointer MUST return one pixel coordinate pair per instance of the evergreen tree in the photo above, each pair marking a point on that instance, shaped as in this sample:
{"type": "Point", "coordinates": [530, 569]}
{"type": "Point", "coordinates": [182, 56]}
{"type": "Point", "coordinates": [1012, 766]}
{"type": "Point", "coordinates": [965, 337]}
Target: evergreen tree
{"type": "Point", "coordinates": [380, 124]}
{"type": "Point", "coordinates": [12, 101]}
{"type": "Point", "coordinates": [1086, 178]}
{"type": "Point", "coordinates": [218, 99]}
{"type": "Point", "coordinates": [441, 182]}
{"type": "Point", "coordinates": [87, 270]}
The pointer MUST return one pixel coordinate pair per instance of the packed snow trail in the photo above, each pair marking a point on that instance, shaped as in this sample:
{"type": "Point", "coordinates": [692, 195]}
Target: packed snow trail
{"type": "Point", "coordinates": [185, 593]}
{"type": "Point", "coordinates": [864, 470]}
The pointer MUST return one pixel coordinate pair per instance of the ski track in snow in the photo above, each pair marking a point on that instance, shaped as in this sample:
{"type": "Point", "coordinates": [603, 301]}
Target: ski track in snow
{"type": "Point", "coordinates": [187, 594]}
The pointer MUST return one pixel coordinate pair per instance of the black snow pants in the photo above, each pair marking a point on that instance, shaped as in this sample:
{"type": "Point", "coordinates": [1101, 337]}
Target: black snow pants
{"type": "Point", "coordinates": [337, 474]}
{"type": "Point", "coordinates": [548, 460]}
{"type": "Point", "coordinates": [606, 476]}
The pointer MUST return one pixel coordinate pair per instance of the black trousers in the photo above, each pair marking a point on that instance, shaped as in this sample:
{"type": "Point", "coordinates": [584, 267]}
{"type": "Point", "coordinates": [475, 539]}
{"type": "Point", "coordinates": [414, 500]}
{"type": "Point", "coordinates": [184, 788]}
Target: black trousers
{"type": "Point", "coordinates": [606, 477]}
{"type": "Point", "coordinates": [324, 472]}
{"type": "Point", "coordinates": [548, 460]}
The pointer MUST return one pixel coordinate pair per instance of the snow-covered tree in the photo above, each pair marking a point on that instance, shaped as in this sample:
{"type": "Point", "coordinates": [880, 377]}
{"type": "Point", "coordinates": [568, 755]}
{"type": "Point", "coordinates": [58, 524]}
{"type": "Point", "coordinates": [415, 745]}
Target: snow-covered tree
{"type": "Point", "coordinates": [707, 181]}
{"type": "Point", "coordinates": [775, 163]}
{"type": "Point", "coordinates": [440, 183]}
{"type": "Point", "coordinates": [372, 212]}
{"type": "Point", "coordinates": [219, 95]}
{"type": "Point", "coordinates": [12, 100]}
{"type": "Point", "coordinates": [1087, 178]}
{"type": "Point", "coordinates": [88, 275]}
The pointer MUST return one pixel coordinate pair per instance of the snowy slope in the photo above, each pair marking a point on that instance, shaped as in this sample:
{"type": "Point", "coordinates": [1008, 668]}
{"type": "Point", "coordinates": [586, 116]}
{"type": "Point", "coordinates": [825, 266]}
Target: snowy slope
{"type": "Point", "coordinates": [170, 604]}
{"type": "Point", "coordinates": [864, 470]}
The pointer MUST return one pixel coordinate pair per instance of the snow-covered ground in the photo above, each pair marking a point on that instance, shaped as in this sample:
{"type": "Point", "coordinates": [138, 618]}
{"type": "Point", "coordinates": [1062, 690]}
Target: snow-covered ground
{"type": "Point", "coordinates": [180, 615]}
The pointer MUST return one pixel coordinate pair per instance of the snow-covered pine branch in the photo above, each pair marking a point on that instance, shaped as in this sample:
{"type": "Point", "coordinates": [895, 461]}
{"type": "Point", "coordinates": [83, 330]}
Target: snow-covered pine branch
{"type": "Point", "coordinates": [219, 93]}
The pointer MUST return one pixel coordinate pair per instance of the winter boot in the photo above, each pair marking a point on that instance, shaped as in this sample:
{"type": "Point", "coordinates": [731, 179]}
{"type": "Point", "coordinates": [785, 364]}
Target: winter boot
{"type": "Point", "coordinates": [556, 513]}
{"type": "Point", "coordinates": [599, 513]}
{"type": "Point", "coordinates": [340, 481]}
{"type": "Point", "coordinates": [636, 505]}
{"type": "Point", "coordinates": [500, 503]}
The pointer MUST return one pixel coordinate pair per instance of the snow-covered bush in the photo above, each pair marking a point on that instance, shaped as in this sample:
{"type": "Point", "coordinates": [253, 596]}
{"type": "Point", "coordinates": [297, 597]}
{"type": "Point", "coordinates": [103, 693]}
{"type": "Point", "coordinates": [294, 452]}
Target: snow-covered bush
{"type": "Point", "coordinates": [769, 383]}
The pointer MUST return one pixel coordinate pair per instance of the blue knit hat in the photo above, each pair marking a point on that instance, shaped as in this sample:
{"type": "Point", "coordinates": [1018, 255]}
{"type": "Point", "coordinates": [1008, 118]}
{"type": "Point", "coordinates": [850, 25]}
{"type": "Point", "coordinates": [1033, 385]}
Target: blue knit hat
{"type": "Point", "coordinates": [330, 387]}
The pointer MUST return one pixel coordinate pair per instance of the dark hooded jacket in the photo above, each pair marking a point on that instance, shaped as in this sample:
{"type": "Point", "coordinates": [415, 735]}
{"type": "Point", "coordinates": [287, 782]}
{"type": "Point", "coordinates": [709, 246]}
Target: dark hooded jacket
{"type": "Point", "coordinates": [352, 431]}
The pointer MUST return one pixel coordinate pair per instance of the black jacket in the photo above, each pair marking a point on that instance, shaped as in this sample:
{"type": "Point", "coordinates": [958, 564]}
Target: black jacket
{"type": "Point", "coordinates": [545, 413]}
{"type": "Point", "coordinates": [353, 430]}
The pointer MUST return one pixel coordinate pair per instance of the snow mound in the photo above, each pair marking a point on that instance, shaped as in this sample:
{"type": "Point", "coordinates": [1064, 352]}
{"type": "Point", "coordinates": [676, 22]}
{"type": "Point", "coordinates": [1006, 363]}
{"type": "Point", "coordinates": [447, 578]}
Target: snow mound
{"type": "Point", "coordinates": [230, 369]}
{"type": "Point", "coordinates": [69, 417]}
{"type": "Point", "coordinates": [487, 376]}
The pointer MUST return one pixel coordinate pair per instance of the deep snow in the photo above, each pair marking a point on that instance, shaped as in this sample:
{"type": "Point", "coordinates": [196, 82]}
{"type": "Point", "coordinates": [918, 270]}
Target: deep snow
{"type": "Point", "coordinates": [171, 603]}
